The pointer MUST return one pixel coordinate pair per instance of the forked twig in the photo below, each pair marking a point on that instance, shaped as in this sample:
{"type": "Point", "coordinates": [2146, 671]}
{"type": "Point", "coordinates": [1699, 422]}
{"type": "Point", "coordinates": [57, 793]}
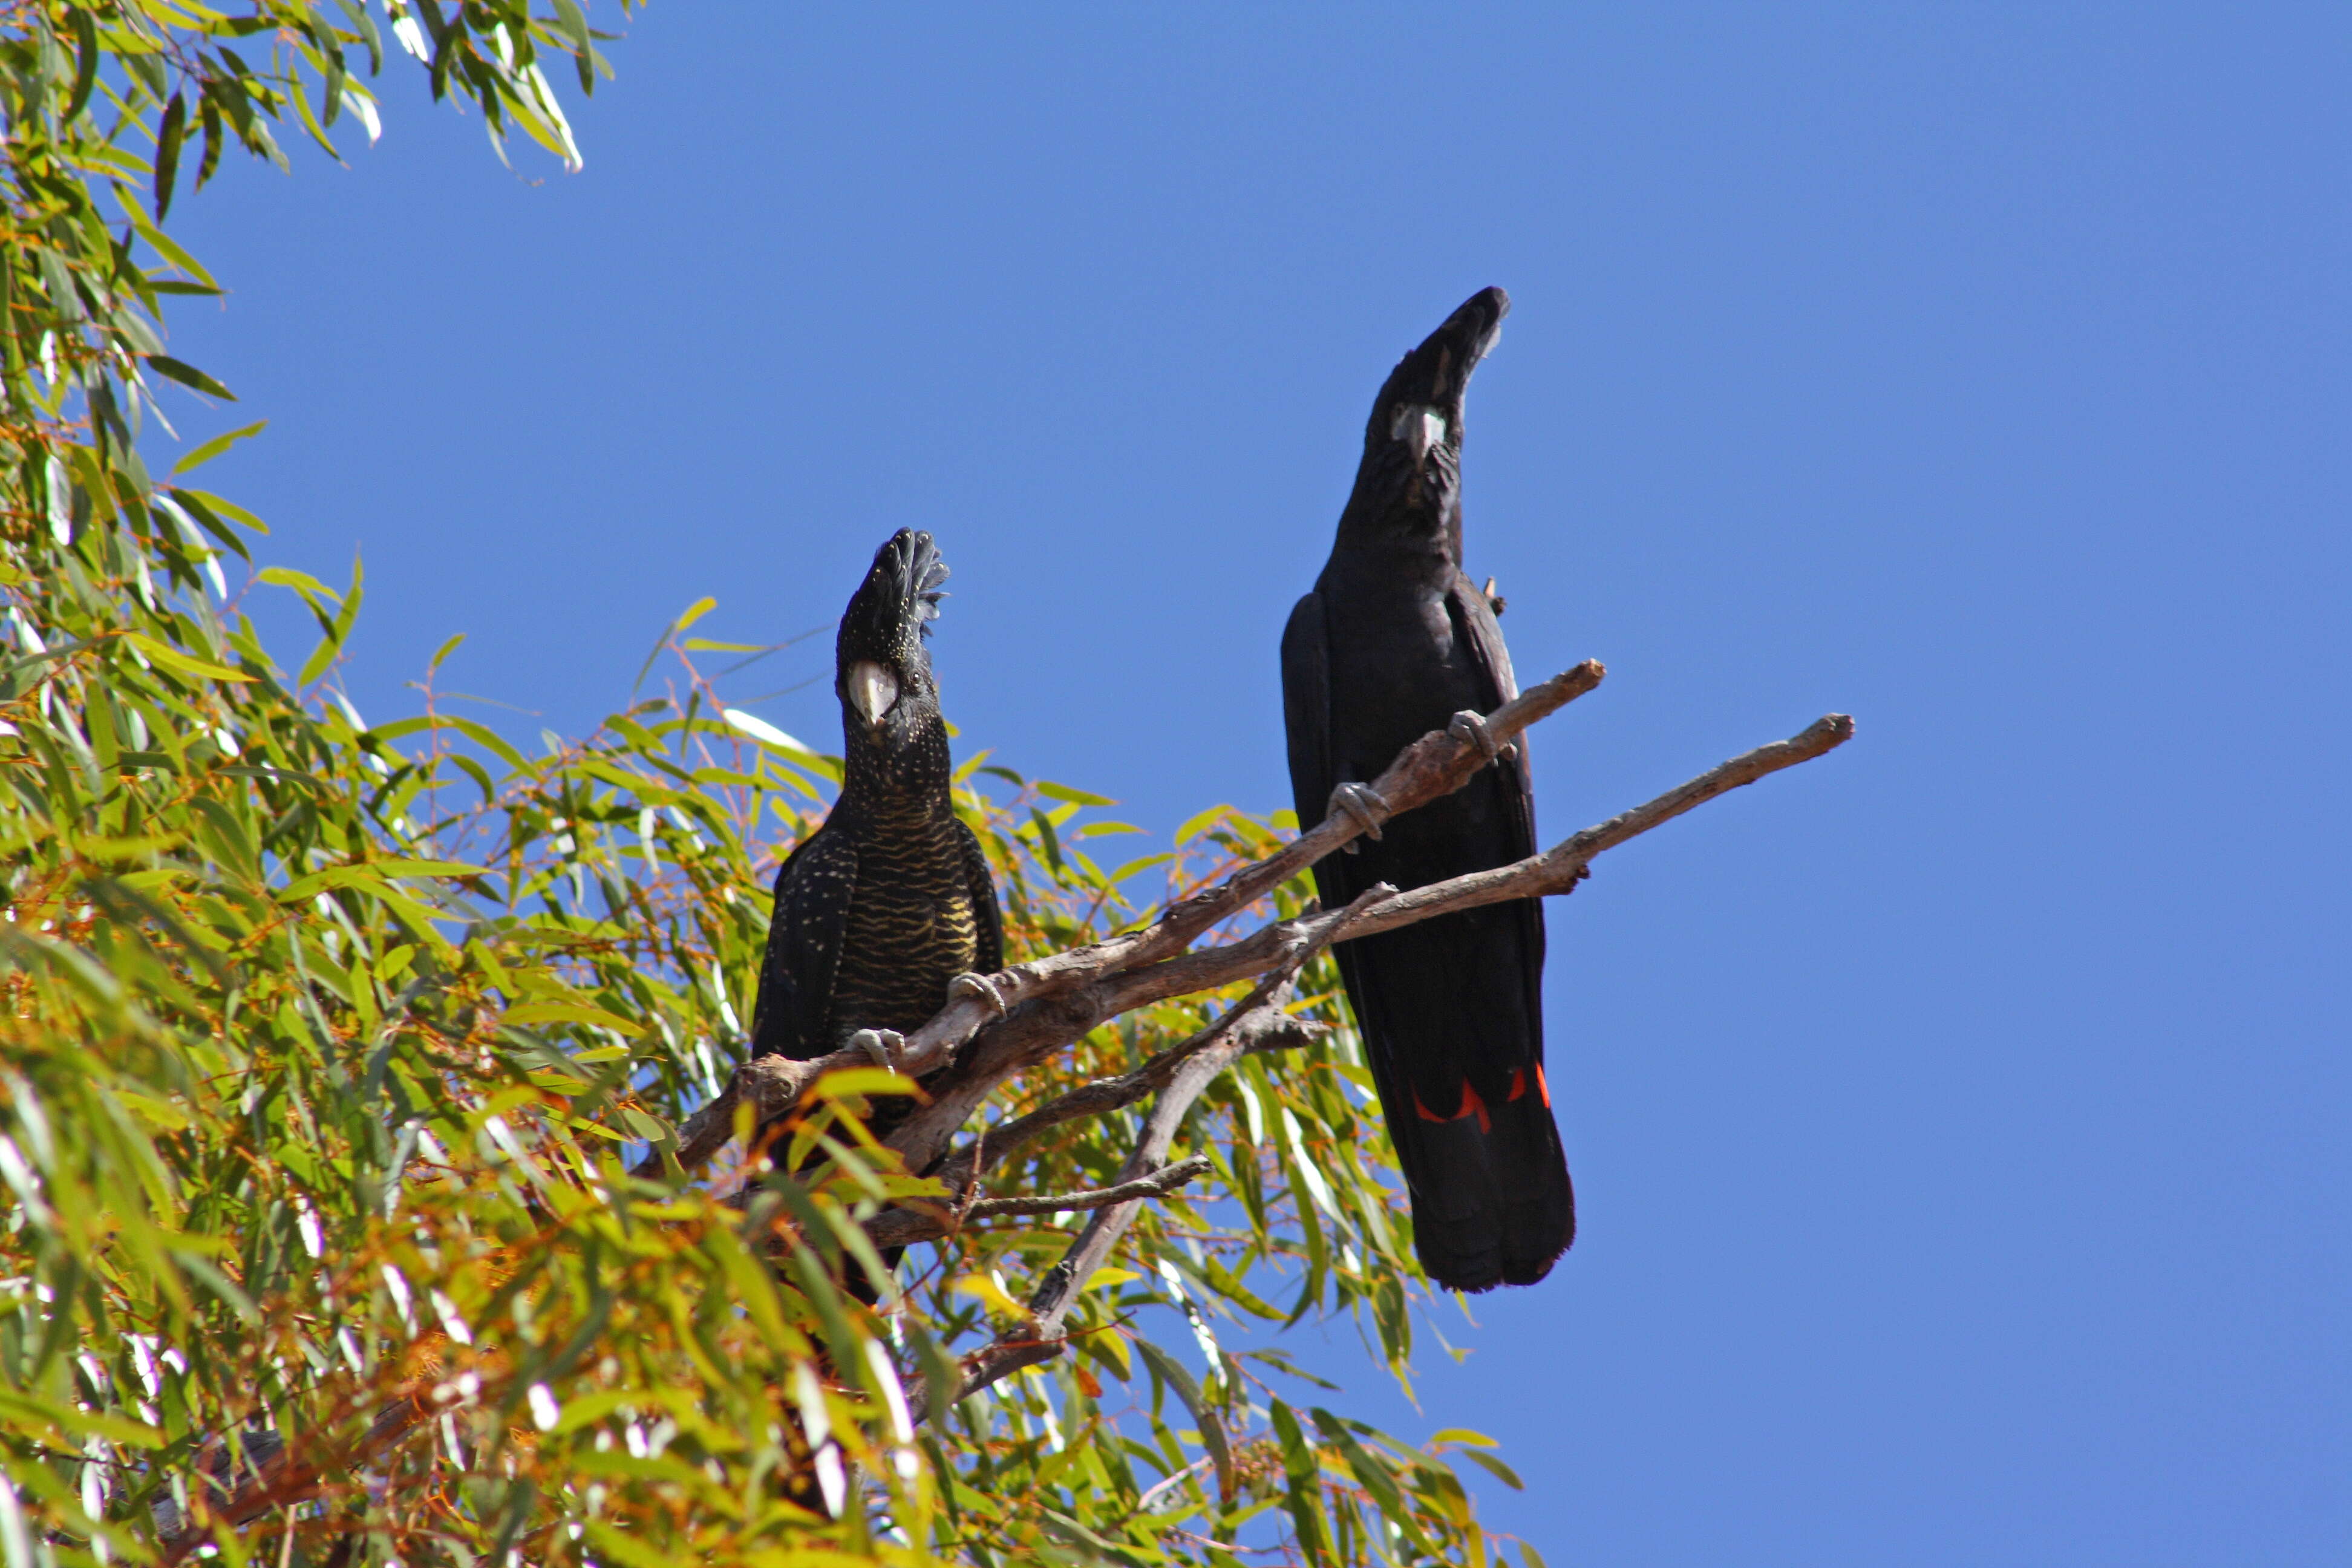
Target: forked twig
{"type": "Point", "coordinates": [1038, 1338]}
{"type": "Point", "coordinates": [897, 1227]}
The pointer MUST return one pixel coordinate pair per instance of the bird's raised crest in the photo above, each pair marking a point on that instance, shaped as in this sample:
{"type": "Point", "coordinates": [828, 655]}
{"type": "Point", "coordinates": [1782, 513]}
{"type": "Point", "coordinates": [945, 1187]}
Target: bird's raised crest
{"type": "Point", "coordinates": [924, 574]}
{"type": "Point", "coordinates": [901, 593]}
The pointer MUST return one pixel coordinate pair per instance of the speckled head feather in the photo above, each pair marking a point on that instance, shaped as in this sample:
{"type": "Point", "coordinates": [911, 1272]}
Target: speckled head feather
{"type": "Point", "coordinates": [892, 610]}
{"type": "Point", "coordinates": [882, 671]}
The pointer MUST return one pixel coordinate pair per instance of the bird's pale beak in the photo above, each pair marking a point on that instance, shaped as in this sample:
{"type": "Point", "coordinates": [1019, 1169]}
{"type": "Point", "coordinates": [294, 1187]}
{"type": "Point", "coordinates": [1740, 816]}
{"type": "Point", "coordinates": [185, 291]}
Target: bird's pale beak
{"type": "Point", "coordinates": [873, 690]}
{"type": "Point", "coordinates": [1419, 426]}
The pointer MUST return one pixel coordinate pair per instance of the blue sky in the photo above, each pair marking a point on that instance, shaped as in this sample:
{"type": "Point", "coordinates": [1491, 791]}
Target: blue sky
{"type": "Point", "coordinates": [1959, 1122]}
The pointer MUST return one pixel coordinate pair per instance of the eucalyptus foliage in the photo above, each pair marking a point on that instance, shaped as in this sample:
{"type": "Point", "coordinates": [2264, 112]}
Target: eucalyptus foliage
{"type": "Point", "coordinates": [330, 1047]}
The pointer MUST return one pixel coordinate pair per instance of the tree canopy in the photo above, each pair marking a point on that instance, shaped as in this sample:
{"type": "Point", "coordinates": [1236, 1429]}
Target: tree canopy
{"type": "Point", "coordinates": [344, 1061]}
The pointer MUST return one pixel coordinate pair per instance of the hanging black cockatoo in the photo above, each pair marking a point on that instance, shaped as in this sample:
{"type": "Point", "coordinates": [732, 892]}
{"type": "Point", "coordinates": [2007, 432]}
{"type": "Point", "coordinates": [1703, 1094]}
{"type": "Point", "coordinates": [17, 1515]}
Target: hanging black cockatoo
{"type": "Point", "coordinates": [878, 910]}
{"type": "Point", "coordinates": [1395, 641]}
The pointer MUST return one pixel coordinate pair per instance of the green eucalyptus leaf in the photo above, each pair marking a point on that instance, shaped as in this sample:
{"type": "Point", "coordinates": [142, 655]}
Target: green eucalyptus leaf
{"type": "Point", "coordinates": [1204, 1415]}
{"type": "Point", "coordinates": [189, 375]}
{"type": "Point", "coordinates": [351, 1062]}
{"type": "Point", "coordinates": [86, 61]}
{"type": "Point", "coordinates": [213, 449]}
{"type": "Point", "coordinates": [167, 152]}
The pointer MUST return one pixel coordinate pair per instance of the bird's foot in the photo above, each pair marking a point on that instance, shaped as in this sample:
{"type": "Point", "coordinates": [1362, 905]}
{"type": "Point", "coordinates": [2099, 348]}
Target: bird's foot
{"type": "Point", "coordinates": [1363, 806]}
{"type": "Point", "coordinates": [1471, 729]}
{"type": "Point", "coordinates": [884, 1046]}
{"type": "Point", "coordinates": [979, 986]}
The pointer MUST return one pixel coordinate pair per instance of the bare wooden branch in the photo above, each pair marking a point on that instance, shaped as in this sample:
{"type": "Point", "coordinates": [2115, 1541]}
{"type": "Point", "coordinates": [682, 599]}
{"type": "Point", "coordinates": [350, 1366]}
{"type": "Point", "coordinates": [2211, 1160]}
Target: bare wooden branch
{"type": "Point", "coordinates": [1104, 1095]}
{"type": "Point", "coordinates": [1056, 1001]}
{"type": "Point", "coordinates": [1038, 1339]}
{"type": "Point", "coordinates": [1035, 1032]}
{"type": "Point", "coordinates": [1261, 1014]}
{"type": "Point", "coordinates": [1435, 765]}
{"type": "Point", "coordinates": [1121, 982]}
{"type": "Point", "coordinates": [1166, 1179]}
{"type": "Point", "coordinates": [897, 1227]}
{"type": "Point", "coordinates": [1559, 869]}
{"type": "Point", "coordinates": [1285, 947]}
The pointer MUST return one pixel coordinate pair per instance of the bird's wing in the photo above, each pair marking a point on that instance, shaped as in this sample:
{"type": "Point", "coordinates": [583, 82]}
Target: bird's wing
{"type": "Point", "coordinates": [1474, 623]}
{"type": "Point", "coordinates": [1482, 635]}
{"type": "Point", "coordinates": [1452, 1011]}
{"type": "Point", "coordinates": [1307, 717]}
{"type": "Point", "coordinates": [1307, 709]}
{"type": "Point", "coordinates": [987, 918]}
{"type": "Point", "coordinates": [814, 890]}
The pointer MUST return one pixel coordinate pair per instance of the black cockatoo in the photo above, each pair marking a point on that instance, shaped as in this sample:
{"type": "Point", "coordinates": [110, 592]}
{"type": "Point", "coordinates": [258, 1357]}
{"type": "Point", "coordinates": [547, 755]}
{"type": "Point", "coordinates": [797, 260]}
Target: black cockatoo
{"type": "Point", "coordinates": [891, 900]}
{"type": "Point", "coordinates": [1395, 641]}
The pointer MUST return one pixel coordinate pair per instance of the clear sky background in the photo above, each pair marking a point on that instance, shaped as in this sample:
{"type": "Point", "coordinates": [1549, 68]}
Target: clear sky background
{"type": "Point", "coordinates": [1959, 1122]}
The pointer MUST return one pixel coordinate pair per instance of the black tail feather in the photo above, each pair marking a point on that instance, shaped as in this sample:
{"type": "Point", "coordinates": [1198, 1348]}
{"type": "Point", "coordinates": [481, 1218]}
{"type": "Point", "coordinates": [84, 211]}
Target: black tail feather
{"type": "Point", "coordinates": [1491, 1200]}
{"type": "Point", "coordinates": [1452, 1031]}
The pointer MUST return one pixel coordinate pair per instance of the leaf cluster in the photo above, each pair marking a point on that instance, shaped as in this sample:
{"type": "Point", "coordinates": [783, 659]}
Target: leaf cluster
{"type": "Point", "coordinates": [329, 1049]}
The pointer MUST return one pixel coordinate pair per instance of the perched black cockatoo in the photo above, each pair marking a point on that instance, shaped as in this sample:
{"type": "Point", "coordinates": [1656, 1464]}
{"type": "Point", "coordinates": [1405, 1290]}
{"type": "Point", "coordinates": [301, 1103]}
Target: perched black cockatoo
{"type": "Point", "coordinates": [1395, 641]}
{"type": "Point", "coordinates": [880, 909]}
